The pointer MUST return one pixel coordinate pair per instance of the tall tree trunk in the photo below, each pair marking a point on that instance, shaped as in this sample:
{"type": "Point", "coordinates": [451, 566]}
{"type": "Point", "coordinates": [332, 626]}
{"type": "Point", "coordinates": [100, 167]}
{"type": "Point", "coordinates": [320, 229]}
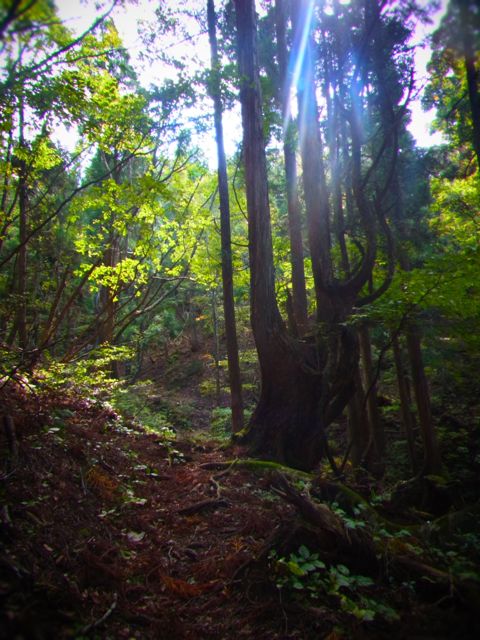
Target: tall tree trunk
{"type": "Point", "coordinates": [299, 293]}
{"type": "Point", "coordinates": [334, 136]}
{"type": "Point", "coordinates": [469, 52]}
{"type": "Point", "coordinates": [107, 298]}
{"type": "Point", "coordinates": [313, 169]}
{"type": "Point", "coordinates": [392, 188]}
{"type": "Point", "coordinates": [432, 461]}
{"type": "Point", "coordinates": [358, 428]}
{"type": "Point", "coordinates": [21, 315]}
{"type": "Point", "coordinates": [21, 319]}
{"type": "Point", "coordinates": [374, 456]}
{"type": "Point", "coordinates": [109, 294]}
{"type": "Point", "coordinates": [236, 399]}
{"type": "Point", "coordinates": [407, 416]}
{"type": "Point", "coordinates": [216, 347]}
{"type": "Point", "coordinates": [304, 385]}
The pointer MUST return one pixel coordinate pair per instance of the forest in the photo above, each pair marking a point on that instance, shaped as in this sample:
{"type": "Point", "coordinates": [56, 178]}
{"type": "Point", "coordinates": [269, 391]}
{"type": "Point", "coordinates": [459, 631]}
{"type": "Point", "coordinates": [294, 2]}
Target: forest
{"type": "Point", "coordinates": [239, 319]}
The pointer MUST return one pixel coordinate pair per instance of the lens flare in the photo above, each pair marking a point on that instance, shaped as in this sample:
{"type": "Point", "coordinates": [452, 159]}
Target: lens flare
{"type": "Point", "coordinates": [297, 56]}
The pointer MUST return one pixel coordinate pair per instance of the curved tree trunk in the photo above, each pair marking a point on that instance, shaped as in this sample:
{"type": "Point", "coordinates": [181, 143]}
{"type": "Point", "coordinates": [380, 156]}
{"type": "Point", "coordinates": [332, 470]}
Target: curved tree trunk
{"type": "Point", "coordinates": [304, 385]}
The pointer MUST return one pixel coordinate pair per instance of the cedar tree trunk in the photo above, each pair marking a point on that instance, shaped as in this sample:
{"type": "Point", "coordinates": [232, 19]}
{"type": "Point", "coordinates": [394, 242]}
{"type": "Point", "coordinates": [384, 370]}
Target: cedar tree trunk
{"type": "Point", "coordinates": [305, 385]}
{"type": "Point", "coordinates": [227, 270]}
{"type": "Point", "coordinates": [299, 293]}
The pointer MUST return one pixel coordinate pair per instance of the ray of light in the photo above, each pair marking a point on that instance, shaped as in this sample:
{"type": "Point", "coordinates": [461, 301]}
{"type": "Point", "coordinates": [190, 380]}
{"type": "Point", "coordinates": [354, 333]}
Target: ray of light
{"type": "Point", "coordinates": [297, 57]}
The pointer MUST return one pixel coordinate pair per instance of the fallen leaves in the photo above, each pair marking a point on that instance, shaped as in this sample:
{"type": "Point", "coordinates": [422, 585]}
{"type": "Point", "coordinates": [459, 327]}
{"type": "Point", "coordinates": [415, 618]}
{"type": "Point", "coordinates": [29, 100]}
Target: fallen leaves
{"type": "Point", "coordinates": [185, 589]}
{"type": "Point", "coordinates": [100, 482]}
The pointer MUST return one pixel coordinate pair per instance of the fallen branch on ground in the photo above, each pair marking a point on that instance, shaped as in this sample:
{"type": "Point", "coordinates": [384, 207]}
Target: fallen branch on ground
{"type": "Point", "coordinates": [200, 506]}
{"type": "Point", "coordinates": [98, 622]}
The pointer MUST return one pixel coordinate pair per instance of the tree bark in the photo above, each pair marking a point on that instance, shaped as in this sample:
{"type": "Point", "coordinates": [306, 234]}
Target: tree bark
{"type": "Point", "coordinates": [407, 417]}
{"type": "Point", "coordinates": [358, 430]}
{"type": "Point", "coordinates": [392, 188]}
{"type": "Point", "coordinates": [469, 52]}
{"type": "Point", "coordinates": [314, 180]}
{"type": "Point", "coordinates": [304, 385]}
{"type": "Point", "coordinates": [432, 459]}
{"type": "Point", "coordinates": [21, 319]}
{"type": "Point", "coordinates": [107, 298]}
{"type": "Point", "coordinates": [236, 399]}
{"type": "Point", "coordinates": [299, 293]}
{"type": "Point", "coordinates": [216, 353]}
{"type": "Point", "coordinates": [376, 447]}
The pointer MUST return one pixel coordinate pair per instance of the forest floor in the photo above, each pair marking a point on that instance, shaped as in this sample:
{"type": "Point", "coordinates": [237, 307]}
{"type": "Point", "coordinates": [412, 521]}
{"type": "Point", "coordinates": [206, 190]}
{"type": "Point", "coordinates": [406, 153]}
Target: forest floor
{"type": "Point", "coordinates": [109, 530]}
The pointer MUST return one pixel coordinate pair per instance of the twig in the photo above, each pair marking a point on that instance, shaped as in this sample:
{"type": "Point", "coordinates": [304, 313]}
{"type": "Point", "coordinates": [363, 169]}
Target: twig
{"type": "Point", "coordinates": [216, 465]}
{"type": "Point", "coordinates": [5, 516]}
{"type": "Point", "coordinates": [84, 486]}
{"type": "Point", "coordinates": [11, 436]}
{"type": "Point", "coordinates": [6, 476]}
{"type": "Point", "coordinates": [98, 622]}
{"type": "Point", "coordinates": [223, 467]}
{"type": "Point", "coordinates": [200, 506]}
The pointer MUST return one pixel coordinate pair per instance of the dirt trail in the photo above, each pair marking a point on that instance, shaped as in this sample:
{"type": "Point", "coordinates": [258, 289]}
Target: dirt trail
{"type": "Point", "coordinates": [108, 532]}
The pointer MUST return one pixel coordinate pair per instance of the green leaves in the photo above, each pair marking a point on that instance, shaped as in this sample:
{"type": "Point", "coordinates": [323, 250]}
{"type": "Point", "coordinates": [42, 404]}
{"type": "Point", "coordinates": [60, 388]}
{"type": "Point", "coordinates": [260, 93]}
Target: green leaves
{"type": "Point", "coordinates": [456, 209]}
{"type": "Point", "coordinates": [304, 574]}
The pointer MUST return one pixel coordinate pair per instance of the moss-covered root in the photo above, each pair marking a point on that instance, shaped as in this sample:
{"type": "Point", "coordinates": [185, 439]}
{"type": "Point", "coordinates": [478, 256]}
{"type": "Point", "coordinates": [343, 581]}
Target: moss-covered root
{"type": "Point", "coordinates": [259, 465]}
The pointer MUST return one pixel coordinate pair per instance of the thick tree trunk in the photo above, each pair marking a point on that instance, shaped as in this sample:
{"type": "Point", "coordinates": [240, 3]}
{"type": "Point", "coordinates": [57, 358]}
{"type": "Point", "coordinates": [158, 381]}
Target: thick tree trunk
{"type": "Point", "coordinates": [304, 386]}
{"type": "Point", "coordinates": [314, 180]}
{"type": "Point", "coordinates": [299, 293]}
{"type": "Point", "coordinates": [236, 399]}
{"type": "Point", "coordinates": [334, 136]}
{"type": "Point", "coordinates": [266, 319]}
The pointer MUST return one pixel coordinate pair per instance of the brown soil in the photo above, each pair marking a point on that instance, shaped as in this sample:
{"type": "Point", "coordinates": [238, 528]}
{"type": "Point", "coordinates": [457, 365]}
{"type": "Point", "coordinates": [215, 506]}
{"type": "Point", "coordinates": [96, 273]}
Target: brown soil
{"type": "Point", "coordinates": [98, 537]}
{"type": "Point", "coordinates": [108, 533]}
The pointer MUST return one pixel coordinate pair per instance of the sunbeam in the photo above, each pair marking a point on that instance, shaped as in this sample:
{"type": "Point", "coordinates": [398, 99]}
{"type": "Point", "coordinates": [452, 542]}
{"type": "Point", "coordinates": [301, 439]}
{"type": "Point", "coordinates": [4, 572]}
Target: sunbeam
{"type": "Point", "coordinates": [297, 56]}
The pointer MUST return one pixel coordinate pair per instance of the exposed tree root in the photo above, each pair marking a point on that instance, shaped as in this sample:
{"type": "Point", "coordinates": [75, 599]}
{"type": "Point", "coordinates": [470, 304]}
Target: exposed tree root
{"type": "Point", "coordinates": [332, 534]}
{"type": "Point", "coordinates": [358, 548]}
{"type": "Point", "coordinates": [201, 506]}
{"type": "Point", "coordinates": [258, 465]}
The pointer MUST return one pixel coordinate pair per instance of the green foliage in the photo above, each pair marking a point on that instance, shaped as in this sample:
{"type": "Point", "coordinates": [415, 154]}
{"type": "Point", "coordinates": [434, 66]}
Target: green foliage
{"type": "Point", "coordinates": [447, 88]}
{"type": "Point", "coordinates": [221, 423]}
{"type": "Point", "coordinates": [89, 375]}
{"type": "Point", "coordinates": [133, 402]}
{"type": "Point", "coordinates": [298, 571]}
{"type": "Point", "coordinates": [142, 403]}
{"type": "Point", "coordinates": [351, 522]}
{"type": "Point", "coordinates": [304, 574]}
{"type": "Point", "coordinates": [208, 387]}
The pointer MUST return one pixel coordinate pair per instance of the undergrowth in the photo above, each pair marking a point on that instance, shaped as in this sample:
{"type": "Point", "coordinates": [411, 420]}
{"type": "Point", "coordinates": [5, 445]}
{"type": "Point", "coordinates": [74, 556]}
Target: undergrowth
{"type": "Point", "coordinates": [303, 576]}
